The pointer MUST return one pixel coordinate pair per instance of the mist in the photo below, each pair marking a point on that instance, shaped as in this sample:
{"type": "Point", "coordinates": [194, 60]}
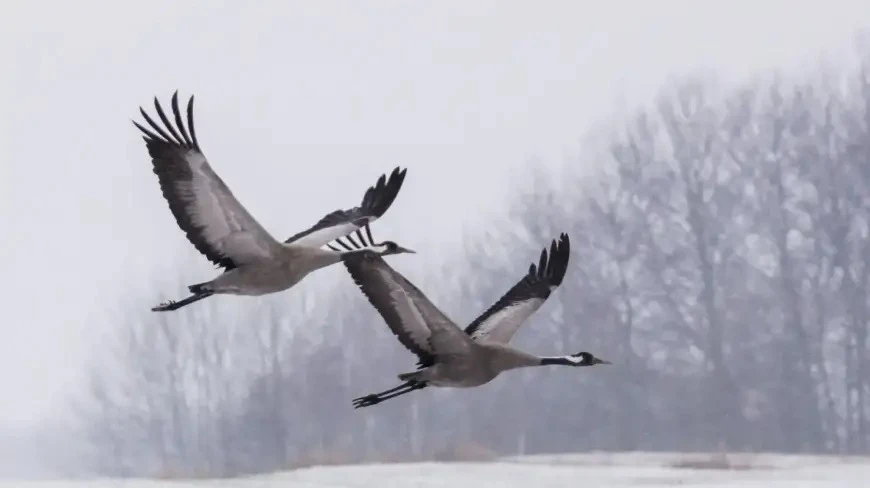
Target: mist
{"type": "Point", "coordinates": [709, 164]}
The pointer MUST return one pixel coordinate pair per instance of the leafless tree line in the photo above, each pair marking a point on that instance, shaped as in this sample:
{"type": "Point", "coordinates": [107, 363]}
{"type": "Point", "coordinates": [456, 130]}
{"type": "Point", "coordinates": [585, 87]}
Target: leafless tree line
{"type": "Point", "coordinates": [720, 258]}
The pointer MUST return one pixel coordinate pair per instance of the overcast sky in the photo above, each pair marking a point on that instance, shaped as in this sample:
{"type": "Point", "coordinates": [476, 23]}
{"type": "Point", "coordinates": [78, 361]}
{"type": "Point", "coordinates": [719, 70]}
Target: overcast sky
{"type": "Point", "coordinates": [300, 106]}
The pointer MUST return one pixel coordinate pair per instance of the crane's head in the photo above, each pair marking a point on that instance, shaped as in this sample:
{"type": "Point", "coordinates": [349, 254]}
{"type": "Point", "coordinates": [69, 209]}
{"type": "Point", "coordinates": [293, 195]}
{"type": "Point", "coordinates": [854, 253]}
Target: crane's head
{"type": "Point", "coordinates": [585, 359]}
{"type": "Point", "coordinates": [389, 247]}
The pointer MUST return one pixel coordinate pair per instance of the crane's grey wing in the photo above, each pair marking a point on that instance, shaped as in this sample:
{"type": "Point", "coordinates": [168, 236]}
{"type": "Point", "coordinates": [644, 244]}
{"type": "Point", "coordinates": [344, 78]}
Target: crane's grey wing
{"type": "Point", "coordinates": [416, 322]}
{"type": "Point", "coordinates": [502, 320]}
{"type": "Point", "coordinates": [376, 201]}
{"type": "Point", "coordinates": [215, 222]}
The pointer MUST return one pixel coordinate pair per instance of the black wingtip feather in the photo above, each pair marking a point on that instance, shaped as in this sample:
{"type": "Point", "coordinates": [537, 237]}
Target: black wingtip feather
{"type": "Point", "coordinates": [379, 197]}
{"type": "Point", "coordinates": [539, 282]}
{"type": "Point", "coordinates": [559, 255]}
{"type": "Point", "coordinates": [178, 121]}
{"type": "Point", "coordinates": [190, 125]}
{"type": "Point", "coordinates": [169, 133]}
{"type": "Point", "coordinates": [166, 150]}
{"type": "Point", "coordinates": [166, 123]}
{"type": "Point", "coordinates": [375, 202]}
{"type": "Point", "coordinates": [542, 265]}
{"type": "Point", "coordinates": [147, 135]}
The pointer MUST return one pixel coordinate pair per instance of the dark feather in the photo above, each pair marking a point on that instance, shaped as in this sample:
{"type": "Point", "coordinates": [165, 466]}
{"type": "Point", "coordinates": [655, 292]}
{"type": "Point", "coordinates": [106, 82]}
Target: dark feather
{"type": "Point", "coordinates": [537, 283]}
{"type": "Point", "coordinates": [376, 201]}
{"type": "Point", "coordinates": [168, 156]}
{"type": "Point", "coordinates": [378, 295]}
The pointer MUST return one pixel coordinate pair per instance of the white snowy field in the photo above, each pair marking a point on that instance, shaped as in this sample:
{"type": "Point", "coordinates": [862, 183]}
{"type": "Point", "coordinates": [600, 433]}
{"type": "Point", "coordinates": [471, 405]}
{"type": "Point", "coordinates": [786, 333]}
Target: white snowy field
{"type": "Point", "coordinates": [588, 470]}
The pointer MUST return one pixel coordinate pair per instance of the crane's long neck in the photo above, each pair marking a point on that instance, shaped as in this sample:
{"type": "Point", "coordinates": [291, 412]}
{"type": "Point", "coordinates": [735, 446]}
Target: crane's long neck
{"type": "Point", "coordinates": [320, 258]}
{"type": "Point", "coordinates": [340, 254]}
{"type": "Point", "coordinates": [559, 360]}
{"type": "Point", "coordinates": [505, 358]}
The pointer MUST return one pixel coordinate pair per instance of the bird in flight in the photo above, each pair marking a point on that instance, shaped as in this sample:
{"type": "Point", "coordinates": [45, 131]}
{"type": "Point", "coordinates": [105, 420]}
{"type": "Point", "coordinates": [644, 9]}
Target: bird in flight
{"type": "Point", "coordinates": [449, 356]}
{"type": "Point", "coordinates": [219, 227]}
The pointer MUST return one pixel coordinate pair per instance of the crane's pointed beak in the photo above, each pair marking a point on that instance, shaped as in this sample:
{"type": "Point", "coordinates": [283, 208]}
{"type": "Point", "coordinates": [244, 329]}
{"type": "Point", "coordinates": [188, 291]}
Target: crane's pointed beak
{"type": "Point", "coordinates": [602, 361]}
{"type": "Point", "coordinates": [406, 250]}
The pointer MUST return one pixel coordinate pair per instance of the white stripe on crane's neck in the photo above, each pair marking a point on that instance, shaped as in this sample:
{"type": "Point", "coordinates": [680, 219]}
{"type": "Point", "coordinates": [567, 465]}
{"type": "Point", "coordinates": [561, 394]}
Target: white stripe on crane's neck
{"type": "Point", "coordinates": [575, 359]}
{"type": "Point", "coordinates": [563, 360]}
{"type": "Point", "coordinates": [378, 248]}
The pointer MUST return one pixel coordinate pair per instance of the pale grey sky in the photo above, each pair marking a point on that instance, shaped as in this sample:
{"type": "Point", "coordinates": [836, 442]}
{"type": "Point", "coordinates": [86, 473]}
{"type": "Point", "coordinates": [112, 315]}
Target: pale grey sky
{"type": "Point", "coordinates": [300, 105]}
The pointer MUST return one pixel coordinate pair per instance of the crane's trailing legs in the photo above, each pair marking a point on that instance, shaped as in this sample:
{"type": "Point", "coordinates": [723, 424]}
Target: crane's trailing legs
{"type": "Point", "coordinates": [175, 305]}
{"type": "Point", "coordinates": [375, 398]}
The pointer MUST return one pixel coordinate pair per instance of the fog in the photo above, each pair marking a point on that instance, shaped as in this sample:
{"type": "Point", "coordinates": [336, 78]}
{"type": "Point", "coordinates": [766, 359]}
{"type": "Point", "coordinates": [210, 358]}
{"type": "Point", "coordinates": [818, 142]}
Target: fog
{"type": "Point", "coordinates": [300, 106]}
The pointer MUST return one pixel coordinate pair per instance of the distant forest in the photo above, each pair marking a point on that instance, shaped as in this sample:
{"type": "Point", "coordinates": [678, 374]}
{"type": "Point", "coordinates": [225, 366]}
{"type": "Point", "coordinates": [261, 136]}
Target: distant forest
{"type": "Point", "coordinates": [720, 258]}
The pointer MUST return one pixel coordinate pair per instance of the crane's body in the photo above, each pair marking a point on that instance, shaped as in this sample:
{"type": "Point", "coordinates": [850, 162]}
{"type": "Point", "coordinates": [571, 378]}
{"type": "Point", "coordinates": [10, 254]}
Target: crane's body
{"type": "Point", "coordinates": [483, 363]}
{"type": "Point", "coordinates": [289, 267]}
{"type": "Point", "coordinates": [450, 356]}
{"type": "Point", "coordinates": [219, 227]}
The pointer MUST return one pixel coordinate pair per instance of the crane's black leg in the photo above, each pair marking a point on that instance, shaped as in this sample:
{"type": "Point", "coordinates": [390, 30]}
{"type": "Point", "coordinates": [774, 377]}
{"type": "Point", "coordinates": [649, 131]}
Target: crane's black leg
{"type": "Point", "coordinates": [173, 305]}
{"type": "Point", "coordinates": [416, 386]}
{"type": "Point", "coordinates": [386, 392]}
{"type": "Point", "coordinates": [375, 398]}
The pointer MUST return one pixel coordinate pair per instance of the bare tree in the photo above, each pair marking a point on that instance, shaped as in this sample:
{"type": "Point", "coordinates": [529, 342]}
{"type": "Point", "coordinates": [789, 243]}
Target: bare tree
{"type": "Point", "coordinates": [719, 256]}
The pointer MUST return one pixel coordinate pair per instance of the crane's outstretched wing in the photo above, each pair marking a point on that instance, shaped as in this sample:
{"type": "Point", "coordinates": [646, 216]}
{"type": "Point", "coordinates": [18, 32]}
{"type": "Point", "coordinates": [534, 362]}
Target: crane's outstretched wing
{"type": "Point", "coordinates": [215, 222]}
{"type": "Point", "coordinates": [416, 322]}
{"type": "Point", "coordinates": [504, 318]}
{"type": "Point", "coordinates": [375, 202]}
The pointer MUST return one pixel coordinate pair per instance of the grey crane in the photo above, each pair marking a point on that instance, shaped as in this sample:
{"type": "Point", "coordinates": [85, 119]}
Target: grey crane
{"type": "Point", "coordinates": [449, 356]}
{"type": "Point", "coordinates": [219, 227]}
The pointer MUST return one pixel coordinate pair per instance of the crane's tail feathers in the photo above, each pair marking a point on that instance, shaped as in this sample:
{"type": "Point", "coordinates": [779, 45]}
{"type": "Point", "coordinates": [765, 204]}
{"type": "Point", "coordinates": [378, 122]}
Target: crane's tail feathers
{"type": "Point", "coordinates": [415, 376]}
{"type": "Point", "coordinates": [199, 288]}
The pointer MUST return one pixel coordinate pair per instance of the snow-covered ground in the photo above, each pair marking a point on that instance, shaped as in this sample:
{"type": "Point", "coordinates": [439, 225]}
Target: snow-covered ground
{"type": "Point", "coordinates": [580, 470]}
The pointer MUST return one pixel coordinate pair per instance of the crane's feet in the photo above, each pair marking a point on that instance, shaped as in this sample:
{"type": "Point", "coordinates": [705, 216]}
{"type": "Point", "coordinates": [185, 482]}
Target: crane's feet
{"type": "Point", "coordinates": [366, 401]}
{"type": "Point", "coordinates": [175, 305]}
{"type": "Point", "coordinates": [166, 306]}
